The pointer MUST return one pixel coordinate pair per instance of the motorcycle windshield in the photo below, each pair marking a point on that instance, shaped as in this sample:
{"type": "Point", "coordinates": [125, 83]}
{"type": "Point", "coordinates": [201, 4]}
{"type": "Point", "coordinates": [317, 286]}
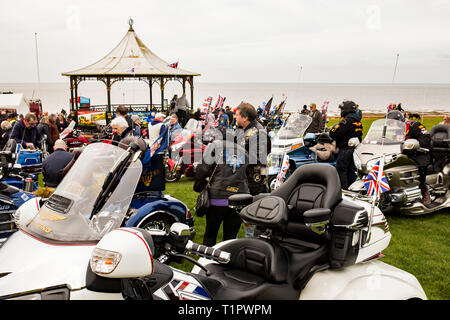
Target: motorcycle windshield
{"type": "Point", "coordinates": [395, 132]}
{"type": "Point", "coordinates": [66, 215]}
{"type": "Point", "coordinates": [67, 130]}
{"type": "Point", "coordinates": [192, 126]}
{"type": "Point", "coordinates": [294, 126]}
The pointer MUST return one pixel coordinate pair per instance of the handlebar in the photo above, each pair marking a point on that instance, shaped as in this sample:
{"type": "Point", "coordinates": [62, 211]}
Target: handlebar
{"type": "Point", "coordinates": [208, 252]}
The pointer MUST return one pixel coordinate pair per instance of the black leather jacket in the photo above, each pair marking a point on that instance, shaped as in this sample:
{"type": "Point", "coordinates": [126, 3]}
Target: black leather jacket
{"type": "Point", "coordinates": [228, 170]}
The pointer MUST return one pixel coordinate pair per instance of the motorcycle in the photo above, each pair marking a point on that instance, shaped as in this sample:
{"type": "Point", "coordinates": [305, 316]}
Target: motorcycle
{"type": "Point", "coordinates": [72, 137]}
{"type": "Point", "coordinates": [331, 252]}
{"type": "Point", "coordinates": [301, 149]}
{"type": "Point", "coordinates": [20, 167]}
{"type": "Point", "coordinates": [48, 255]}
{"type": "Point", "coordinates": [185, 152]}
{"type": "Point", "coordinates": [11, 197]}
{"type": "Point", "coordinates": [401, 172]}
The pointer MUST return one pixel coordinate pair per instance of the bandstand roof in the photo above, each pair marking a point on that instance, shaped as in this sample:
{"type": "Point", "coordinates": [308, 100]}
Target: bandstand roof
{"type": "Point", "coordinates": [131, 53]}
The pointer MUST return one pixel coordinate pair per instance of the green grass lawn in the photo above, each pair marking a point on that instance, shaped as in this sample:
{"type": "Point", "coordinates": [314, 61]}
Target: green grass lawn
{"type": "Point", "coordinates": [419, 245]}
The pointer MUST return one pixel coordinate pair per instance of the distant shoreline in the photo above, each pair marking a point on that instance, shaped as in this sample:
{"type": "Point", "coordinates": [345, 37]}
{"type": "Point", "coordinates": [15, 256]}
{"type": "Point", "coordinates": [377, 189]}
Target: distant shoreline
{"type": "Point", "coordinates": [382, 115]}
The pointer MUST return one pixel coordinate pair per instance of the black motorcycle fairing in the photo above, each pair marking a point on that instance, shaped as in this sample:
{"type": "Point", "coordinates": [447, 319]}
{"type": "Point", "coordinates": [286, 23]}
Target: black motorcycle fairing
{"type": "Point", "coordinates": [144, 287]}
{"type": "Point", "coordinates": [98, 283]}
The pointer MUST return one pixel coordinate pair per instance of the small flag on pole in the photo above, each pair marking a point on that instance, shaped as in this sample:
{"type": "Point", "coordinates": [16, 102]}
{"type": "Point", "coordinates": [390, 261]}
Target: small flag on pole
{"type": "Point", "coordinates": [282, 173]}
{"type": "Point", "coordinates": [375, 184]}
{"type": "Point", "coordinates": [174, 65]}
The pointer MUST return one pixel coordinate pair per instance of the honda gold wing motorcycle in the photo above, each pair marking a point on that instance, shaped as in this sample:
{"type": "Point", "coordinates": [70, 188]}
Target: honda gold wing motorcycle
{"type": "Point", "coordinates": [401, 172]}
{"type": "Point", "coordinates": [47, 257]}
{"type": "Point", "coordinates": [315, 243]}
{"type": "Point", "coordinates": [301, 149]}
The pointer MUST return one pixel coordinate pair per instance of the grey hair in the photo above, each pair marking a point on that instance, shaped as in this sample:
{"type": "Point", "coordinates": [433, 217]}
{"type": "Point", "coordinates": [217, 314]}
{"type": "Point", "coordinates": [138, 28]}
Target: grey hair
{"type": "Point", "coordinates": [5, 125]}
{"type": "Point", "coordinates": [119, 122]}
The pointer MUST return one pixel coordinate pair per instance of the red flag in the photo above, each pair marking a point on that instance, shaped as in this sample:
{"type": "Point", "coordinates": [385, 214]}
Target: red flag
{"type": "Point", "coordinates": [174, 65]}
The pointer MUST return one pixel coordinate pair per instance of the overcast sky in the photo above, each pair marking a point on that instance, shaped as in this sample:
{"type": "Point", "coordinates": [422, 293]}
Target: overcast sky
{"type": "Point", "coordinates": [235, 40]}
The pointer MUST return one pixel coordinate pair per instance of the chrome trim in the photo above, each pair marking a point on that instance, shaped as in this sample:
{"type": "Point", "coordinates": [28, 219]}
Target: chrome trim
{"type": "Point", "coordinates": [155, 212]}
{"type": "Point", "coordinates": [359, 222]}
{"type": "Point", "coordinates": [410, 177]}
{"type": "Point", "coordinates": [318, 227]}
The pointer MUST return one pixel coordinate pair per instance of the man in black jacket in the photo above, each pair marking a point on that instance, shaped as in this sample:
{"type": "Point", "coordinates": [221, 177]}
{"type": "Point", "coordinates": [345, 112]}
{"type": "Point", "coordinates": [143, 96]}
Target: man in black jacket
{"type": "Point", "coordinates": [316, 123]}
{"type": "Point", "coordinates": [257, 144]}
{"type": "Point", "coordinates": [416, 130]}
{"type": "Point", "coordinates": [53, 165]}
{"type": "Point", "coordinates": [25, 131]}
{"type": "Point", "coordinates": [342, 132]}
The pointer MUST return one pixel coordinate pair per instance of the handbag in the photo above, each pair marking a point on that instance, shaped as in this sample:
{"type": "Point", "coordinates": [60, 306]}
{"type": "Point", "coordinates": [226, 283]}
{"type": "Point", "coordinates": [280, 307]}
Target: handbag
{"type": "Point", "coordinates": [202, 204]}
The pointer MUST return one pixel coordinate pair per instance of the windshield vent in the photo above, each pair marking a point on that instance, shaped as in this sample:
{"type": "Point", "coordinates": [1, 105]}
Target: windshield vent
{"type": "Point", "coordinates": [59, 203]}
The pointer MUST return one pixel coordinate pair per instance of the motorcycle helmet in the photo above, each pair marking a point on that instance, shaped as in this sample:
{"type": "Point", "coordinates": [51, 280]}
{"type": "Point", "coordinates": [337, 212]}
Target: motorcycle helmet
{"type": "Point", "coordinates": [347, 107]}
{"type": "Point", "coordinates": [395, 115]}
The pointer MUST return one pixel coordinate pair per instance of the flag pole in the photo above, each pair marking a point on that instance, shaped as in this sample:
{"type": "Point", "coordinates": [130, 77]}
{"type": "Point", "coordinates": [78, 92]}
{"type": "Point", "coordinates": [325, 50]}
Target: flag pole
{"type": "Point", "coordinates": [376, 196]}
{"type": "Point", "coordinates": [395, 69]}
{"type": "Point", "coordinates": [37, 65]}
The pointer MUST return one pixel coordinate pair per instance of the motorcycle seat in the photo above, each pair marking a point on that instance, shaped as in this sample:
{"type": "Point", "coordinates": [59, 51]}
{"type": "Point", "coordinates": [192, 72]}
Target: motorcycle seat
{"type": "Point", "coordinates": [258, 269]}
{"type": "Point", "coordinates": [278, 267]}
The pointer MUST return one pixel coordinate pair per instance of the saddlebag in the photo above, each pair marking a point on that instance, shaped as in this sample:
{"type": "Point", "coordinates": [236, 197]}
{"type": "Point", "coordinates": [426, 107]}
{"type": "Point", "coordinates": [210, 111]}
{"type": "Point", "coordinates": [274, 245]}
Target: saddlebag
{"type": "Point", "coordinates": [346, 226]}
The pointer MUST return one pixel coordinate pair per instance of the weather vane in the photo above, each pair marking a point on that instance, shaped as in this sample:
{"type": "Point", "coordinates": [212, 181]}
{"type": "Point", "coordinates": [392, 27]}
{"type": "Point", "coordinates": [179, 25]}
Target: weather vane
{"type": "Point", "coordinates": [130, 22]}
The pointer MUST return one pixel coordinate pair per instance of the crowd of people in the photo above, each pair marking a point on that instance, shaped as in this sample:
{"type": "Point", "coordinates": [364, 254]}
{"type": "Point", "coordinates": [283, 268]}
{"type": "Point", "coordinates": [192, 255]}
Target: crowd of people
{"type": "Point", "coordinates": [44, 133]}
{"type": "Point", "coordinates": [225, 174]}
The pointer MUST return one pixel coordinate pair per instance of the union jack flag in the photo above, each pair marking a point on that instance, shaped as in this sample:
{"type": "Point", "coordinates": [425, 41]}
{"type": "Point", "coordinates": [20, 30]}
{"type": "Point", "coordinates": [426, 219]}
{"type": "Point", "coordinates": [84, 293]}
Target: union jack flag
{"type": "Point", "coordinates": [373, 185]}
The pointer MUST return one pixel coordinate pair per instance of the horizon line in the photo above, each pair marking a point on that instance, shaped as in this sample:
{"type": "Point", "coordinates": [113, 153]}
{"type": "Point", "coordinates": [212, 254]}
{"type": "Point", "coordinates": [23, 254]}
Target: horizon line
{"type": "Point", "coordinates": [262, 82]}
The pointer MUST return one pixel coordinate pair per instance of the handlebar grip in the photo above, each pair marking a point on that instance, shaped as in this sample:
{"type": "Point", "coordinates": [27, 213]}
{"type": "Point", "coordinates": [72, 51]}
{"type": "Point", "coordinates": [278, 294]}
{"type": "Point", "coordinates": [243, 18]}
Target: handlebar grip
{"type": "Point", "coordinates": [208, 252]}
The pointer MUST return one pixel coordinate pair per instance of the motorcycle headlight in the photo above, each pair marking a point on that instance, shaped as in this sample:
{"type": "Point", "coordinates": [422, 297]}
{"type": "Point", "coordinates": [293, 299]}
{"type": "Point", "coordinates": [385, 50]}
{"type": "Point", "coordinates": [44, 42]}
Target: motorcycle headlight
{"type": "Point", "coordinates": [357, 161]}
{"type": "Point", "coordinates": [104, 261]}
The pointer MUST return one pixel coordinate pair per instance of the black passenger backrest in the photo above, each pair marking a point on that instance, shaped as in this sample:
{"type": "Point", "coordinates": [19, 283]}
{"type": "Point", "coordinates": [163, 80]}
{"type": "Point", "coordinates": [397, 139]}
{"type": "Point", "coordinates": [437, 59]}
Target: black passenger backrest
{"type": "Point", "coordinates": [310, 186]}
{"type": "Point", "coordinates": [315, 185]}
{"type": "Point", "coordinates": [438, 134]}
{"type": "Point", "coordinates": [304, 197]}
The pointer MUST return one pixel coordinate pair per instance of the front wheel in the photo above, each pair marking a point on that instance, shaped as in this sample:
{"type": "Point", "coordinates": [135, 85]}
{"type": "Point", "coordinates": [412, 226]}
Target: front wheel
{"type": "Point", "coordinates": [172, 176]}
{"type": "Point", "coordinates": [160, 221]}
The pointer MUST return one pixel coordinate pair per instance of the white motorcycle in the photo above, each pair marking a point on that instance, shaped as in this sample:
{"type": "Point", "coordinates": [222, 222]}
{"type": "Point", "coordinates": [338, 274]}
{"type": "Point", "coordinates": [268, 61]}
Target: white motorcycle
{"type": "Point", "coordinates": [315, 243]}
{"type": "Point", "coordinates": [48, 256]}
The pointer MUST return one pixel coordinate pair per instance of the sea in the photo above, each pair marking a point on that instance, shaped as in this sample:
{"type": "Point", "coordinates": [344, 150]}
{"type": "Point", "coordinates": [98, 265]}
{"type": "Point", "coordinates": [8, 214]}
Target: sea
{"type": "Point", "coordinates": [372, 98]}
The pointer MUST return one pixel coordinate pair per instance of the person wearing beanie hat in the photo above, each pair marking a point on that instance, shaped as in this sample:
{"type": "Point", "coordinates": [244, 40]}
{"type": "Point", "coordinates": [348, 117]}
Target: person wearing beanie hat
{"type": "Point", "coordinates": [342, 132]}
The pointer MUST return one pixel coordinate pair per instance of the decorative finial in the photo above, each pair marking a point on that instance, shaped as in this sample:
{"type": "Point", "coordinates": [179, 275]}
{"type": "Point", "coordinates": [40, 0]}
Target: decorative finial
{"type": "Point", "coordinates": [130, 22]}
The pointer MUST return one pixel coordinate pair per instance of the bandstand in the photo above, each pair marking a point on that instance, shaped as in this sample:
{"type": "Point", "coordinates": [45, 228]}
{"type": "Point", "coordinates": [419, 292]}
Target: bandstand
{"type": "Point", "coordinates": [129, 60]}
